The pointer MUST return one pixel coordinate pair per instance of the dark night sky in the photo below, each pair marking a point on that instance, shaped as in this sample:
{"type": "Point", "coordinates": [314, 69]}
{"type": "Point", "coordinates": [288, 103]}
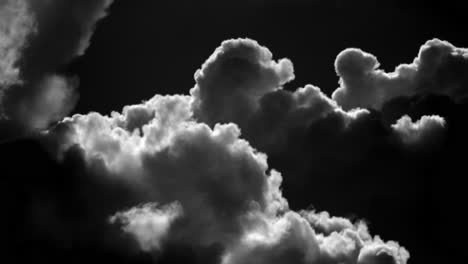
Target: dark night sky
{"type": "Point", "coordinates": [155, 47]}
{"type": "Point", "coordinates": [151, 47]}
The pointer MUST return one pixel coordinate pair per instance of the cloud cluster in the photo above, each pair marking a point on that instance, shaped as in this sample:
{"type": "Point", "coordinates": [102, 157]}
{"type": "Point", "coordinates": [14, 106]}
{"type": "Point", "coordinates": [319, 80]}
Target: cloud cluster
{"type": "Point", "coordinates": [215, 177]}
{"type": "Point", "coordinates": [294, 238]}
{"type": "Point", "coordinates": [201, 184]}
{"type": "Point", "coordinates": [182, 161]}
{"type": "Point", "coordinates": [36, 38]}
{"type": "Point", "coordinates": [176, 169]}
{"type": "Point", "coordinates": [241, 83]}
{"type": "Point", "coordinates": [214, 189]}
{"type": "Point", "coordinates": [308, 136]}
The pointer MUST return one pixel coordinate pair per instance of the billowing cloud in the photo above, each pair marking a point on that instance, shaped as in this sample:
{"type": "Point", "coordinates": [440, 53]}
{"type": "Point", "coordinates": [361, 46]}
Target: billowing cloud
{"type": "Point", "coordinates": [439, 68]}
{"type": "Point", "coordinates": [232, 80]}
{"type": "Point", "coordinates": [195, 179]}
{"type": "Point", "coordinates": [214, 176]}
{"type": "Point", "coordinates": [293, 239]}
{"type": "Point", "coordinates": [176, 169]}
{"type": "Point", "coordinates": [36, 38]}
{"type": "Point", "coordinates": [223, 190]}
{"type": "Point", "coordinates": [211, 186]}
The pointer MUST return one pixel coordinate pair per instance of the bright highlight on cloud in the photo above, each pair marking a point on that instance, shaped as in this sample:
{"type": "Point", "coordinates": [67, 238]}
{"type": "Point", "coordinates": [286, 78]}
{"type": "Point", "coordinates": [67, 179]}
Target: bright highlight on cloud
{"type": "Point", "coordinates": [419, 131]}
{"type": "Point", "coordinates": [148, 223]}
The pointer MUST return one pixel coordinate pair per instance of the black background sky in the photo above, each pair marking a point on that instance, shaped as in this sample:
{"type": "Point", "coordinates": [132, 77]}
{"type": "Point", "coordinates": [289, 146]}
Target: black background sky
{"type": "Point", "coordinates": [149, 47]}
{"type": "Point", "coordinates": [156, 46]}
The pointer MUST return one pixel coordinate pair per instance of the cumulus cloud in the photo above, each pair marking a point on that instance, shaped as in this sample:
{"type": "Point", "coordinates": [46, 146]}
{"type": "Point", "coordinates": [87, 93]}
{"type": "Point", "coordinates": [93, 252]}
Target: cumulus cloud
{"type": "Point", "coordinates": [232, 80]}
{"type": "Point", "coordinates": [242, 83]}
{"type": "Point", "coordinates": [439, 68]}
{"type": "Point", "coordinates": [292, 239]}
{"type": "Point", "coordinates": [36, 38]}
{"type": "Point", "coordinates": [202, 184]}
{"type": "Point", "coordinates": [216, 177]}
{"type": "Point", "coordinates": [183, 163]}
{"type": "Point", "coordinates": [224, 192]}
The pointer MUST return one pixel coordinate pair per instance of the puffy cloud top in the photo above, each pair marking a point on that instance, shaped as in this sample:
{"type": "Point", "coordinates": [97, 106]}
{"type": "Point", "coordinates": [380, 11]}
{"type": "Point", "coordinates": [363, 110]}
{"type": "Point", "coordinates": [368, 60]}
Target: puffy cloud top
{"type": "Point", "coordinates": [439, 69]}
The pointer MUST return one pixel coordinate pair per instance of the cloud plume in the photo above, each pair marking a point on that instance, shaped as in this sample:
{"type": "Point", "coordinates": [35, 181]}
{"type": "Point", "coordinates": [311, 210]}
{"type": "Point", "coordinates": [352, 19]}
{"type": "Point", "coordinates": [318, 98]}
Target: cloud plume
{"type": "Point", "coordinates": [37, 38]}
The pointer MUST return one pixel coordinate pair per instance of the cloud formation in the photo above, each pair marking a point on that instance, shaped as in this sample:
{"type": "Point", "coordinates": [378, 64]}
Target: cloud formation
{"type": "Point", "coordinates": [201, 184]}
{"type": "Point", "coordinates": [176, 170]}
{"type": "Point", "coordinates": [232, 80]}
{"type": "Point", "coordinates": [241, 83]}
{"type": "Point", "coordinates": [182, 161]}
{"type": "Point", "coordinates": [36, 38]}
{"type": "Point", "coordinates": [439, 68]}
{"type": "Point", "coordinates": [214, 176]}
{"type": "Point", "coordinates": [311, 139]}
{"type": "Point", "coordinates": [223, 190]}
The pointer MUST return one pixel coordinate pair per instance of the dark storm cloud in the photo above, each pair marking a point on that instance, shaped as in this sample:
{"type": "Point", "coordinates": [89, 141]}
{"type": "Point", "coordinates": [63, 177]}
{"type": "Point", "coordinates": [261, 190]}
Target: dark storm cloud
{"type": "Point", "coordinates": [38, 37]}
{"type": "Point", "coordinates": [439, 68]}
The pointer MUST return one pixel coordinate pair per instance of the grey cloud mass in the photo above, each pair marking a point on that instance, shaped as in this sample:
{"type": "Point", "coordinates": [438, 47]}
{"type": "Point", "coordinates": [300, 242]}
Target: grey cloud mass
{"type": "Point", "coordinates": [36, 38]}
{"type": "Point", "coordinates": [209, 168]}
{"type": "Point", "coordinates": [232, 80]}
{"type": "Point", "coordinates": [16, 24]}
